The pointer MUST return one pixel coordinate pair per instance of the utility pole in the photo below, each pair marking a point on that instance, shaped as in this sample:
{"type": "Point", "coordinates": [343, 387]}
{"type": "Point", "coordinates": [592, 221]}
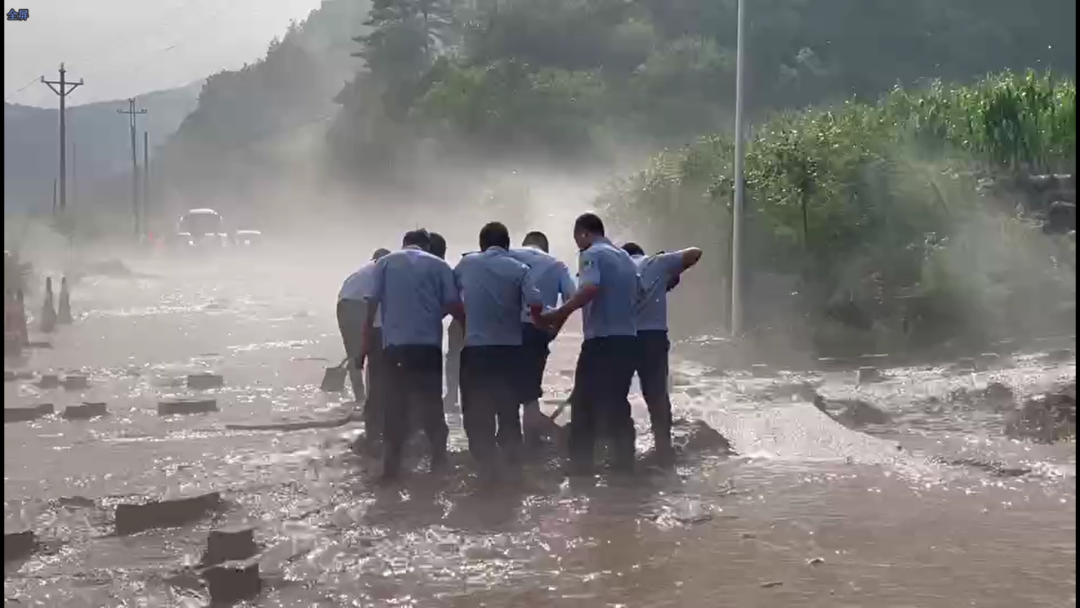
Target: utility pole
{"type": "Point", "coordinates": [737, 206]}
{"type": "Point", "coordinates": [54, 197]}
{"type": "Point", "coordinates": [146, 180]}
{"type": "Point", "coordinates": [62, 90]}
{"type": "Point", "coordinates": [133, 113]}
{"type": "Point", "coordinates": [74, 172]}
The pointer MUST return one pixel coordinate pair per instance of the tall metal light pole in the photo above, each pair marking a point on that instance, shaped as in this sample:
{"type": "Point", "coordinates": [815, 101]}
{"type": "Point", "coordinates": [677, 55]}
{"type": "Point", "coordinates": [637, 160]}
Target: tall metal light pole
{"type": "Point", "coordinates": [737, 206]}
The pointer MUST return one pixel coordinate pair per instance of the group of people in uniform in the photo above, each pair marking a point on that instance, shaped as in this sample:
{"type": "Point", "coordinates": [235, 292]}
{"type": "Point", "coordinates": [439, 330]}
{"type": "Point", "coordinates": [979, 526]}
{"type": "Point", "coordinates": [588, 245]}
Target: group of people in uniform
{"type": "Point", "coordinates": [506, 306]}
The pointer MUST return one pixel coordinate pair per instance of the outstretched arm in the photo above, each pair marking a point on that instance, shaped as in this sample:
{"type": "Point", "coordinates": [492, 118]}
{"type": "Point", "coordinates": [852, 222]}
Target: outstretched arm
{"type": "Point", "coordinates": [567, 286]}
{"type": "Point", "coordinates": [588, 287]}
{"type": "Point", "coordinates": [689, 257]}
{"type": "Point", "coordinates": [678, 262]}
{"type": "Point", "coordinates": [584, 295]}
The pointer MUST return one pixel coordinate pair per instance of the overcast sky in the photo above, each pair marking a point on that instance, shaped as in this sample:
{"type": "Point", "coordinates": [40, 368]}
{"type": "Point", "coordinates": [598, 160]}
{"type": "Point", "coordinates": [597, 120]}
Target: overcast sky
{"type": "Point", "coordinates": [123, 48]}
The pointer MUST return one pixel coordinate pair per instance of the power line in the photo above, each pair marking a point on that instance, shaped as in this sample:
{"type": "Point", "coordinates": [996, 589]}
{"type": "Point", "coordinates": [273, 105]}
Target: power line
{"type": "Point", "coordinates": [152, 32]}
{"type": "Point", "coordinates": [114, 47]}
{"type": "Point", "coordinates": [32, 81]}
{"type": "Point", "coordinates": [144, 58]}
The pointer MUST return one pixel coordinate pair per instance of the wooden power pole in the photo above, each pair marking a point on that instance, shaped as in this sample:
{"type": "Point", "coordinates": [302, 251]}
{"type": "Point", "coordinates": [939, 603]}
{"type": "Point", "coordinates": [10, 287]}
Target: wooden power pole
{"type": "Point", "coordinates": [74, 171]}
{"type": "Point", "coordinates": [62, 88]}
{"type": "Point", "coordinates": [133, 113]}
{"type": "Point", "coordinates": [146, 181]}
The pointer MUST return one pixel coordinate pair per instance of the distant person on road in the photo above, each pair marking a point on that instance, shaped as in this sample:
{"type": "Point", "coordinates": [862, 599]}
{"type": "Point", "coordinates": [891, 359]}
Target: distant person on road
{"type": "Point", "coordinates": [352, 313]}
{"type": "Point", "coordinates": [494, 286]}
{"type": "Point", "coordinates": [552, 278]}
{"type": "Point", "coordinates": [659, 274]}
{"type": "Point", "coordinates": [455, 337]}
{"type": "Point", "coordinates": [608, 290]}
{"type": "Point", "coordinates": [414, 290]}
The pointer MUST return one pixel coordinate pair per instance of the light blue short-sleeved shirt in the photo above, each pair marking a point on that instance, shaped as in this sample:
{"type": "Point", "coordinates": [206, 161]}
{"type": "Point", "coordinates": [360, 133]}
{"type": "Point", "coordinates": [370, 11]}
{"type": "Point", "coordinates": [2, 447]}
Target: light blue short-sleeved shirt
{"type": "Point", "coordinates": [655, 272]}
{"type": "Point", "coordinates": [550, 275]}
{"type": "Point", "coordinates": [494, 286]}
{"type": "Point", "coordinates": [613, 312]}
{"type": "Point", "coordinates": [413, 289]}
{"type": "Point", "coordinates": [358, 287]}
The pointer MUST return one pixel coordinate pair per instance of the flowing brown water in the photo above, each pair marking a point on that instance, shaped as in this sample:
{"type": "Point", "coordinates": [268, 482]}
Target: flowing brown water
{"type": "Point", "coordinates": [809, 514]}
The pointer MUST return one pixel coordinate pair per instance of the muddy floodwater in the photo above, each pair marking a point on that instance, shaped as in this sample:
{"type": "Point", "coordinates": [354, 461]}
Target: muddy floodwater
{"type": "Point", "coordinates": [808, 513]}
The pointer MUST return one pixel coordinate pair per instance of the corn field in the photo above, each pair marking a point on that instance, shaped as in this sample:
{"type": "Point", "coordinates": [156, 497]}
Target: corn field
{"type": "Point", "coordinates": [868, 201]}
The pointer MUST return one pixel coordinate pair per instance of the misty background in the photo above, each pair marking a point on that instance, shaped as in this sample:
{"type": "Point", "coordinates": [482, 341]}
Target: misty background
{"type": "Point", "coordinates": [359, 118]}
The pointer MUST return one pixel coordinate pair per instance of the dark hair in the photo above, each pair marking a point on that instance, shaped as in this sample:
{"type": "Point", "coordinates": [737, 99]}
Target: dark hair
{"type": "Point", "coordinates": [417, 238]}
{"type": "Point", "coordinates": [536, 239]}
{"type": "Point", "coordinates": [633, 248]}
{"type": "Point", "coordinates": [379, 254]}
{"type": "Point", "coordinates": [494, 234]}
{"type": "Point", "coordinates": [438, 245]}
{"type": "Point", "coordinates": [589, 222]}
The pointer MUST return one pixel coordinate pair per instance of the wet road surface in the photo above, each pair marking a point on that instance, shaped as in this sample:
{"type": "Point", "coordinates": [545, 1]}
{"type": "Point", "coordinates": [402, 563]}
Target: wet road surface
{"type": "Point", "coordinates": [810, 513]}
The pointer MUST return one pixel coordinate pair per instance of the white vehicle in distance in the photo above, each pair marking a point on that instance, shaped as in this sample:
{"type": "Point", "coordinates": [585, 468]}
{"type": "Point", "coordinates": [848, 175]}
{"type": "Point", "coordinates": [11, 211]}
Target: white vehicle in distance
{"type": "Point", "coordinates": [247, 238]}
{"type": "Point", "coordinates": [201, 228]}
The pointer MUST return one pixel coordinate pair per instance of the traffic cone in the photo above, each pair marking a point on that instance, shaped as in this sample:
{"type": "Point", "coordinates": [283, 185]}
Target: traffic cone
{"type": "Point", "coordinates": [11, 331]}
{"type": "Point", "coordinates": [23, 322]}
{"type": "Point", "coordinates": [63, 312]}
{"type": "Point", "coordinates": [48, 312]}
{"type": "Point", "coordinates": [15, 334]}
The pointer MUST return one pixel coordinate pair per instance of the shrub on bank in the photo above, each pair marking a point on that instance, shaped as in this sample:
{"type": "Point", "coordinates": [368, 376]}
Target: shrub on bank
{"type": "Point", "coordinates": [882, 213]}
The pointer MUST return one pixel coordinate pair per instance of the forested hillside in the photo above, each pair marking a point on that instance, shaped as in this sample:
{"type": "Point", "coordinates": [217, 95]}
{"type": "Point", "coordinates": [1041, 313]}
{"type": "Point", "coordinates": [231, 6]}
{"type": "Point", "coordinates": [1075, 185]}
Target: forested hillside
{"type": "Point", "coordinates": [100, 136]}
{"type": "Point", "coordinates": [581, 76]}
{"type": "Point", "coordinates": [579, 79]}
{"type": "Point", "coordinates": [228, 141]}
{"type": "Point", "coordinates": [888, 144]}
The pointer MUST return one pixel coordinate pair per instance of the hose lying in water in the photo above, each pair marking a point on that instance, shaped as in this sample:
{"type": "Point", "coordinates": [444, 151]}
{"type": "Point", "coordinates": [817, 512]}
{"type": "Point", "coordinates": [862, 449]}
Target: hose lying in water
{"type": "Point", "coordinates": [335, 422]}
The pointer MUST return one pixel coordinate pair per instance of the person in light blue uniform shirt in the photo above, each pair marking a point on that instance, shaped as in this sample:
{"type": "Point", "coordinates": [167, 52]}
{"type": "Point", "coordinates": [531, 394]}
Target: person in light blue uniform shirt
{"type": "Point", "coordinates": [659, 274]}
{"type": "Point", "coordinates": [556, 286]}
{"type": "Point", "coordinates": [494, 286]}
{"type": "Point", "coordinates": [608, 291]}
{"type": "Point", "coordinates": [455, 337]}
{"type": "Point", "coordinates": [352, 313]}
{"type": "Point", "coordinates": [414, 291]}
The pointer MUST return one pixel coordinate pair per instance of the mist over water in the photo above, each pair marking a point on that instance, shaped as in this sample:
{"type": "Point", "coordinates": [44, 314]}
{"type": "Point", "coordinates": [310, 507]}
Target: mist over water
{"type": "Point", "coordinates": [808, 513]}
{"type": "Point", "coordinates": [886, 223]}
